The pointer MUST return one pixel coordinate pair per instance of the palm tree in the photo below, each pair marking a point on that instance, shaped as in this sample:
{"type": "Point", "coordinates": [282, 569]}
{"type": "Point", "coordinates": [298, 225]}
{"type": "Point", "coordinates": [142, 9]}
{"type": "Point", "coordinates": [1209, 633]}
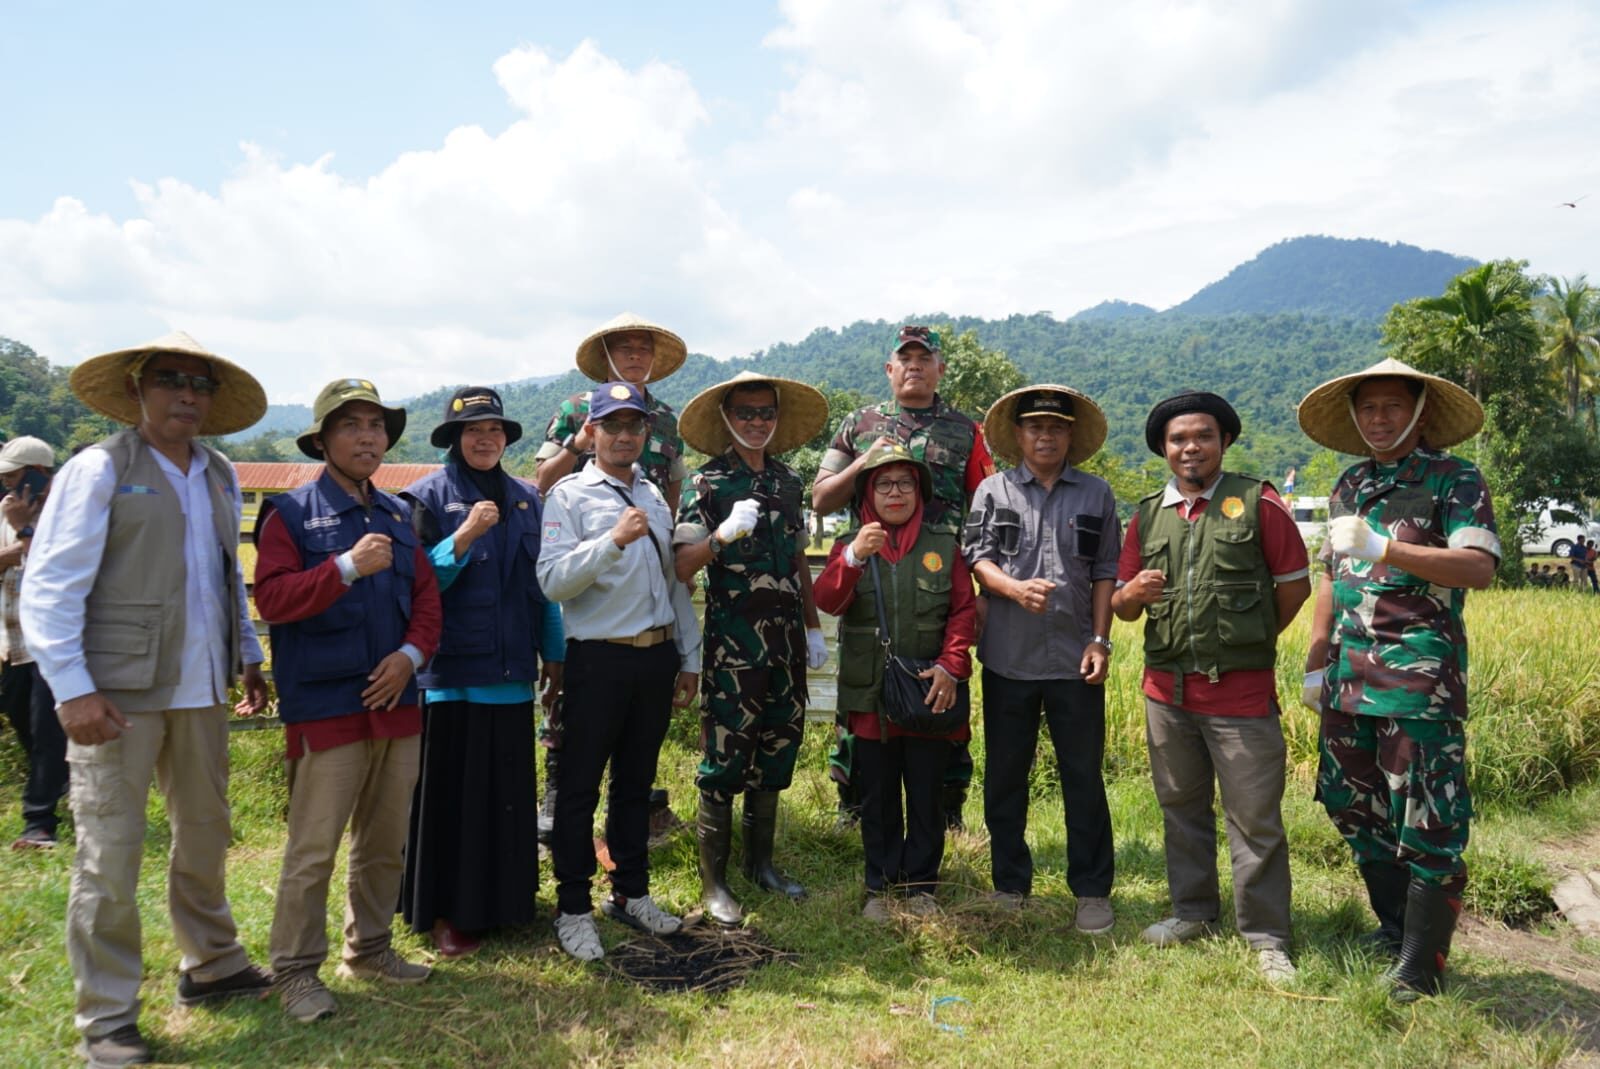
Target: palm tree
{"type": "Point", "coordinates": [1571, 317]}
{"type": "Point", "coordinates": [1481, 327]}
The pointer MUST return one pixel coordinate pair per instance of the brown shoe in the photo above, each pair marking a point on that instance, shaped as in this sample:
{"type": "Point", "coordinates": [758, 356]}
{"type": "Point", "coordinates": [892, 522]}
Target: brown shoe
{"type": "Point", "coordinates": [34, 839]}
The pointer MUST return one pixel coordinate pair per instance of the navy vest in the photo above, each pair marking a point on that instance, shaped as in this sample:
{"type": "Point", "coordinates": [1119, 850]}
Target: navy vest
{"type": "Point", "coordinates": [494, 610]}
{"type": "Point", "coordinates": [320, 664]}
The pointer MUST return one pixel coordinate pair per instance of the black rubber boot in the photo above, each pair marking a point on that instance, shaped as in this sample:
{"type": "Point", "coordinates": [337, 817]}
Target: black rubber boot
{"type": "Point", "coordinates": [955, 796]}
{"type": "Point", "coordinates": [1386, 890]}
{"type": "Point", "coordinates": [714, 829]}
{"type": "Point", "coordinates": [547, 807]}
{"type": "Point", "coordinates": [760, 828]}
{"type": "Point", "coordinates": [1431, 913]}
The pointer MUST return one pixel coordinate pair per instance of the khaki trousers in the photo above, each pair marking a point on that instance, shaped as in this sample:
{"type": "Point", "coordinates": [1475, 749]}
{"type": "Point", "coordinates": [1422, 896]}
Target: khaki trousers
{"type": "Point", "coordinates": [368, 786]}
{"type": "Point", "coordinates": [1245, 757]}
{"type": "Point", "coordinates": [186, 751]}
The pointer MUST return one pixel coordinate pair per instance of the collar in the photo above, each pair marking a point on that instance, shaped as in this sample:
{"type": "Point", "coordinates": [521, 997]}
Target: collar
{"type": "Point", "coordinates": [1172, 495]}
{"type": "Point", "coordinates": [894, 408]}
{"type": "Point", "coordinates": [591, 475]}
{"type": "Point", "coordinates": [1025, 475]}
{"type": "Point", "coordinates": [340, 498]}
{"type": "Point", "coordinates": [1408, 469]}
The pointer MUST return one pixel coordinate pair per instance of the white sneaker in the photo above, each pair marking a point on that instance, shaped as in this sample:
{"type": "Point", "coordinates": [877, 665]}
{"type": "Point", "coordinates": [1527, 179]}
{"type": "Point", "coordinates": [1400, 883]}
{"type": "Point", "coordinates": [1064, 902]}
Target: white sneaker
{"type": "Point", "coordinates": [1175, 930]}
{"type": "Point", "coordinates": [578, 936]}
{"type": "Point", "coordinates": [641, 913]}
{"type": "Point", "coordinates": [1276, 968]}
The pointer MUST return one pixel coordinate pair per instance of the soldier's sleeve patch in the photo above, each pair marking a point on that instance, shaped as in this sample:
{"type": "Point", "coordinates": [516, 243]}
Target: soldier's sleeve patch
{"type": "Point", "coordinates": [932, 562]}
{"type": "Point", "coordinates": [552, 530]}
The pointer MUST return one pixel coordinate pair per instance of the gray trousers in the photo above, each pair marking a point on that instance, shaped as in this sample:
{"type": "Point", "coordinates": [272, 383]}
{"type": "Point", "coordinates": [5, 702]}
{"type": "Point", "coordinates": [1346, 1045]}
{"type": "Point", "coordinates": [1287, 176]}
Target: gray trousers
{"type": "Point", "coordinates": [1244, 756]}
{"type": "Point", "coordinates": [186, 751]}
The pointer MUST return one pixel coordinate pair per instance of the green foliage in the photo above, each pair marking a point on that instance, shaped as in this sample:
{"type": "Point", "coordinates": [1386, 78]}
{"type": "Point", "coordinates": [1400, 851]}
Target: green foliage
{"type": "Point", "coordinates": [1570, 316]}
{"type": "Point", "coordinates": [975, 377]}
{"type": "Point", "coordinates": [35, 399]}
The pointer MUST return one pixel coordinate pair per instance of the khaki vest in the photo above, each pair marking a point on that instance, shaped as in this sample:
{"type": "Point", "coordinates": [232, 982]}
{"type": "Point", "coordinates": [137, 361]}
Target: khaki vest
{"type": "Point", "coordinates": [134, 625]}
{"type": "Point", "coordinates": [1217, 612]}
{"type": "Point", "coordinates": [916, 599]}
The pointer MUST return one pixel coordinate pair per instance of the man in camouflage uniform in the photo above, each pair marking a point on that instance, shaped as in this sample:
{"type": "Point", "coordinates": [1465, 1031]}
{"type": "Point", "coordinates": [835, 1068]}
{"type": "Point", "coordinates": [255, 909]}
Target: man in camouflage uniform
{"type": "Point", "coordinates": [1412, 530]}
{"type": "Point", "coordinates": [627, 349]}
{"type": "Point", "coordinates": [953, 448]}
{"type": "Point", "coordinates": [741, 521]}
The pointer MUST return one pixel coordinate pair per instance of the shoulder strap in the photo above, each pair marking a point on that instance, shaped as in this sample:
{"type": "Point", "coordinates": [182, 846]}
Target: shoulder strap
{"type": "Point", "coordinates": [628, 500]}
{"type": "Point", "coordinates": [877, 598]}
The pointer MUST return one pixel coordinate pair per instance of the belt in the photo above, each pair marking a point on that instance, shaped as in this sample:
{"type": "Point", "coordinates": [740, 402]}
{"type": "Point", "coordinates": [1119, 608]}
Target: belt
{"type": "Point", "coordinates": [645, 639]}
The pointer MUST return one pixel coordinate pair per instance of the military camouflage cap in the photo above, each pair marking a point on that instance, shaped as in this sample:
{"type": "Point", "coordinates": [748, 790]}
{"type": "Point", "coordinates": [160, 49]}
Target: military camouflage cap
{"type": "Point", "coordinates": [336, 395]}
{"type": "Point", "coordinates": [881, 456]}
{"type": "Point", "coordinates": [926, 337]}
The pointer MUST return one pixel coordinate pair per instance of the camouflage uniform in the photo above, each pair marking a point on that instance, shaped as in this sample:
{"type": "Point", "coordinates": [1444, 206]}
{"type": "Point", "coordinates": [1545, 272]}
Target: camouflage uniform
{"type": "Point", "coordinates": [1393, 740]}
{"type": "Point", "coordinates": [942, 437]}
{"type": "Point", "coordinates": [752, 684]}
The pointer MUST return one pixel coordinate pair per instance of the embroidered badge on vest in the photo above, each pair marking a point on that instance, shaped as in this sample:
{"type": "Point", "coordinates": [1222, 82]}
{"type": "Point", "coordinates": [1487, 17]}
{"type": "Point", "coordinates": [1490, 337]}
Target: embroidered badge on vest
{"type": "Point", "coordinates": [932, 562]}
{"type": "Point", "coordinates": [1233, 507]}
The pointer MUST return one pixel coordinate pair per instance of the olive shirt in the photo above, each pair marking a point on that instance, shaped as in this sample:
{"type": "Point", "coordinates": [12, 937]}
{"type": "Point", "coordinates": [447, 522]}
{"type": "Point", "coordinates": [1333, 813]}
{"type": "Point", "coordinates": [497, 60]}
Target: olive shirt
{"type": "Point", "coordinates": [1069, 534]}
{"type": "Point", "coordinates": [1399, 647]}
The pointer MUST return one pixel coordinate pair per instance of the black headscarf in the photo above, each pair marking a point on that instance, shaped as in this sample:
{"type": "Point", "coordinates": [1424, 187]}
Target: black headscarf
{"type": "Point", "coordinates": [1209, 404]}
{"type": "Point", "coordinates": [491, 484]}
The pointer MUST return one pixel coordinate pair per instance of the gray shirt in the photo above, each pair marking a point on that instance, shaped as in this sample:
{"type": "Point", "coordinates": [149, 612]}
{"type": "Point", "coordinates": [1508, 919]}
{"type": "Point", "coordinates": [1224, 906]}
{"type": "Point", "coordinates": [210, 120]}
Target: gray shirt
{"type": "Point", "coordinates": [1069, 534]}
{"type": "Point", "coordinates": [607, 592]}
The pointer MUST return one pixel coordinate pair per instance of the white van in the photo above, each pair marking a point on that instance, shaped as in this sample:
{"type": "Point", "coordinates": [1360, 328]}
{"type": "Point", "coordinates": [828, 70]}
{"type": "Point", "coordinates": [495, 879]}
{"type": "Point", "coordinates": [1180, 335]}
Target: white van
{"type": "Point", "coordinates": [1560, 524]}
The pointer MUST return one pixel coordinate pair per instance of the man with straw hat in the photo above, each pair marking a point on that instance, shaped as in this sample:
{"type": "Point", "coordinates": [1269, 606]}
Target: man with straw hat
{"type": "Point", "coordinates": [742, 521]}
{"type": "Point", "coordinates": [134, 608]}
{"type": "Point", "coordinates": [354, 607]}
{"type": "Point", "coordinates": [1216, 566]}
{"type": "Point", "coordinates": [627, 349]}
{"type": "Point", "coordinates": [1042, 539]}
{"type": "Point", "coordinates": [1412, 530]}
{"type": "Point", "coordinates": [951, 445]}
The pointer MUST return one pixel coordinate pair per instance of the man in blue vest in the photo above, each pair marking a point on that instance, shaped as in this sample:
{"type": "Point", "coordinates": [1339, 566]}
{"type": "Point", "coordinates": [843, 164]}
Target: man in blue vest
{"type": "Point", "coordinates": [354, 609]}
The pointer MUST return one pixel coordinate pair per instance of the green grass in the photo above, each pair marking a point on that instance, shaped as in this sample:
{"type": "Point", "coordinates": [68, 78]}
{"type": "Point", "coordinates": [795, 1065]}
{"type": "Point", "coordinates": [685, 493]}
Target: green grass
{"type": "Point", "coordinates": [854, 994]}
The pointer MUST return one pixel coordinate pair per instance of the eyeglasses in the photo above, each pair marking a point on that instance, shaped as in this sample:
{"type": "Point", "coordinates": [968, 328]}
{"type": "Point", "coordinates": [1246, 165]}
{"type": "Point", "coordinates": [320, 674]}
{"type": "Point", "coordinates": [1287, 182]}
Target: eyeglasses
{"type": "Point", "coordinates": [748, 413]}
{"type": "Point", "coordinates": [618, 427]}
{"type": "Point", "coordinates": [891, 487]}
{"type": "Point", "coordinates": [166, 379]}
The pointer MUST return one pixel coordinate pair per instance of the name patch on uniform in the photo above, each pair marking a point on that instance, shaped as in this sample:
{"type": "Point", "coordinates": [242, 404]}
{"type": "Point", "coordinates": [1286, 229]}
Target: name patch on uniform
{"type": "Point", "coordinates": [552, 530]}
{"type": "Point", "coordinates": [135, 488]}
{"type": "Point", "coordinates": [457, 506]}
{"type": "Point", "coordinates": [316, 522]}
{"type": "Point", "coordinates": [1232, 507]}
{"type": "Point", "coordinates": [932, 561]}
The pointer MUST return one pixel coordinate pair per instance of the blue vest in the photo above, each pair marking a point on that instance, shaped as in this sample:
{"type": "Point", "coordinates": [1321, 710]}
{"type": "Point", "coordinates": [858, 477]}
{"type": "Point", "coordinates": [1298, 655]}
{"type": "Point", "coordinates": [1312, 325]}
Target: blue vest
{"type": "Point", "coordinates": [320, 664]}
{"type": "Point", "coordinates": [494, 609]}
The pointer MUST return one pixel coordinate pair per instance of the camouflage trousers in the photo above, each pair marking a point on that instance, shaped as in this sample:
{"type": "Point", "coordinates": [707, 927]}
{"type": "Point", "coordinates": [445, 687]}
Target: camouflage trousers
{"type": "Point", "coordinates": [1396, 788]}
{"type": "Point", "coordinates": [751, 724]}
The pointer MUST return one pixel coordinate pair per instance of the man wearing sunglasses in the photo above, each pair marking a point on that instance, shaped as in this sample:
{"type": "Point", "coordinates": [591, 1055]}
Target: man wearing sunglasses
{"type": "Point", "coordinates": [134, 608]}
{"type": "Point", "coordinates": [954, 450]}
{"type": "Point", "coordinates": [633, 652]}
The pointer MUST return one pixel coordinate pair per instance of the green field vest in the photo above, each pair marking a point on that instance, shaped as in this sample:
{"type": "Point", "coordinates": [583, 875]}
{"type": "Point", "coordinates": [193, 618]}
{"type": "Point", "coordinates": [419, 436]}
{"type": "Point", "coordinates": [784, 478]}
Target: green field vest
{"type": "Point", "coordinates": [916, 599]}
{"type": "Point", "coordinates": [1217, 612]}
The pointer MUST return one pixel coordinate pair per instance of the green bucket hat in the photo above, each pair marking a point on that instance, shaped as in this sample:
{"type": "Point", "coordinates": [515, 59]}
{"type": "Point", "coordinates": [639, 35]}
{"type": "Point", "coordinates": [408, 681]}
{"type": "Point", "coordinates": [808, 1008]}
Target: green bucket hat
{"type": "Point", "coordinates": [881, 456]}
{"type": "Point", "coordinates": [335, 396]}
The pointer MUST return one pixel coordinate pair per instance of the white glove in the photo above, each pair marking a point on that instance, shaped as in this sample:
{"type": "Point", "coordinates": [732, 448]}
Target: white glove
{"type": "Point", "coordinates": [740, 522]}
{"type": "Point", "coordinates": [1350, 536]}
{"type": "Point", "coordinates": [1311, 691]}
{"type": "Point", "coordinates": [816, 648]}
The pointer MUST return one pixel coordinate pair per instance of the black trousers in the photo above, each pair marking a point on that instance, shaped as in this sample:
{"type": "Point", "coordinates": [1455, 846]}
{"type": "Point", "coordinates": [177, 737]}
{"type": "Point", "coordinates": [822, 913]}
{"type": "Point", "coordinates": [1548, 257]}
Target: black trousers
{"type": "Point", "coordinates": [904, 846]}
{"type": "Point", "coordinates": [1075, 714]}
{"type": "Point", "coordinates": [32, 708]}
{"type": "Point", "coordinates": [617, 705]}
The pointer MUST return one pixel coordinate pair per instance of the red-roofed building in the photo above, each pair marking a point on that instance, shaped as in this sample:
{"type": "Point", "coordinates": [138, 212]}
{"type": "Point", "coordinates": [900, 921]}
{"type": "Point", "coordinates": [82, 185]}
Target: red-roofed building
{"type": "Point", "coordinates": [259, 480]}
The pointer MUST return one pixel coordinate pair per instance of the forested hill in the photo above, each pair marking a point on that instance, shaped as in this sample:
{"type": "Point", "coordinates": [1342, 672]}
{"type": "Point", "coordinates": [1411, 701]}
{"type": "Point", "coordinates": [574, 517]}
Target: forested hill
{"type": "Point", "coordinates": [1327, 276]}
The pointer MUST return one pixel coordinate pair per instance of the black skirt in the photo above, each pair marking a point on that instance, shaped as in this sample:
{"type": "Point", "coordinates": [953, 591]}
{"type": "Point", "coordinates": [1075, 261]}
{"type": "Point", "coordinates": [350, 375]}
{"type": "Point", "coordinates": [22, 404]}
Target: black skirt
{"type": "Point", "coordinates": [472, 857]}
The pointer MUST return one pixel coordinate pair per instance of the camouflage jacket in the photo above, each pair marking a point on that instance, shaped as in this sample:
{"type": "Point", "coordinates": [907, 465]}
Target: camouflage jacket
{"type": "Point", "coordinates": [662, 459]}
{"type": "Point", "coordinates": [940, 436]}
{"type": "Point", "coordinates": [753, 600]}
{"type": "Point", "coordinates": [1399, 647]}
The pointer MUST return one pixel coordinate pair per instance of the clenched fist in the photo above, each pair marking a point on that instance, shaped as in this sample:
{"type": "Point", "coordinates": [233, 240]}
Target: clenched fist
{"type": "Point", "coordinates": [868, 541]}
{"type": "Point", "coordinates": [631, 526]}
{"type": "Point", "coordinates": [373, 553]}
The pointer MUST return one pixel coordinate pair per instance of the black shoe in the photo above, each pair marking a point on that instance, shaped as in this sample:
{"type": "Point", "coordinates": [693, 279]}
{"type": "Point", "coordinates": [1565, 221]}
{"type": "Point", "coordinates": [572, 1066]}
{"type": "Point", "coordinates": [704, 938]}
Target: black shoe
{"type": "Point", "coordinates": [760, 829]}
{"type": "Point", "coordinates": [249, 982]}
{"type": "Point", "coordinates": [1431, 913]}
{"type": "Point", "coordinates": [125, 1046]}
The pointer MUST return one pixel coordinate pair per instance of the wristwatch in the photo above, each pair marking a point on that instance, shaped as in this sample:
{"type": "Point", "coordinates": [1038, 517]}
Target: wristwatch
{"type": "Point", "coordinates": [26, 532]}
{"type": "Point", "coordinates": [568, 444]}
{"type": "Point", "coordinates": [1101, 640]}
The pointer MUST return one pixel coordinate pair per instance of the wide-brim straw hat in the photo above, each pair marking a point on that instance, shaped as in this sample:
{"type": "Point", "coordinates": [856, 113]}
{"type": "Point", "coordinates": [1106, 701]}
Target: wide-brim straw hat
{"type": "Point", "coordinates": [1453, 414]}
{"type": "Point", "coordinates": [1088, 424]}
{"type": "Point", "coordinates": [101, 383]}
{"type": "Point", "coordinates": [802, 413]}
{"type": "Point", "coordinates": [670, 350]}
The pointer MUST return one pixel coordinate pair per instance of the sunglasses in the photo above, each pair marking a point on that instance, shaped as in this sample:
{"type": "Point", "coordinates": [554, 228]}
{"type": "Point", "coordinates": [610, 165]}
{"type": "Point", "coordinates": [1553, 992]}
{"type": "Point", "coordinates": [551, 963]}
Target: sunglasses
{"type": "Point", "coordinates": [895, 486]}
{"type": "Point", "coordinates": [617, 427]}
{"type": "Point", "coordinates": [747, 413]}
{"type": "Point", "coordinates": [178, 380]}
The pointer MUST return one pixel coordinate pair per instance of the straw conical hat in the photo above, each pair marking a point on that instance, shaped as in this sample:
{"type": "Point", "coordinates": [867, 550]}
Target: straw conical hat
{"type": "Point", "coordinates": [1454, 415]}
{"type": "Point", "coordinates": [670, 350]}
{"type": "Point", "coordinates": [1088, 424]}
{"type": "Point", "coordinates": [100, 382]}
{"type": "Point", "coordinates": [802, 412]}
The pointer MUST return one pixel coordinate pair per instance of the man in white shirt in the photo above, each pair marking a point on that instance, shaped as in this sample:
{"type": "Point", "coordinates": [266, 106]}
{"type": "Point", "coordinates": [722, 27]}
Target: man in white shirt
{"type": "Point", "coordinates": [141, 672]}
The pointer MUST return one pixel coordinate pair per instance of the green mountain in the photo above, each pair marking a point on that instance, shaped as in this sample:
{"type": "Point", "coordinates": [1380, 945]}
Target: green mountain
{"type": "Point", "coordinates": [1112, 310]}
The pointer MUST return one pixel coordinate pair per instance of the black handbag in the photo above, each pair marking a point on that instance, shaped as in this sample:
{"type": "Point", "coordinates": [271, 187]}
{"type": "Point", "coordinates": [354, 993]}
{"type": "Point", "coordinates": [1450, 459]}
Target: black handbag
{"type": "Point", "coordinates": [903, 699]}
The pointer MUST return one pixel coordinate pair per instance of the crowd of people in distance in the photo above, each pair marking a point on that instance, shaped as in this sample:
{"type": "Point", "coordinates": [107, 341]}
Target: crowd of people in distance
{"type": "Point", "coordinates": [1577, 573]}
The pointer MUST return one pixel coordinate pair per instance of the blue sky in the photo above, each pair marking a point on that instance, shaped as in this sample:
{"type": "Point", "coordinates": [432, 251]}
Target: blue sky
{"type": "Point", "coordinates": [424, 195]}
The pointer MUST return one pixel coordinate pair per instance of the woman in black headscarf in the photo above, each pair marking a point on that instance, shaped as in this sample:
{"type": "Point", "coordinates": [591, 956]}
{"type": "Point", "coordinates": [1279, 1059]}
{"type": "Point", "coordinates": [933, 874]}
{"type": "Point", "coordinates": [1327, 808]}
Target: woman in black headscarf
{"type": "Point", "coordinates": [471, 861]}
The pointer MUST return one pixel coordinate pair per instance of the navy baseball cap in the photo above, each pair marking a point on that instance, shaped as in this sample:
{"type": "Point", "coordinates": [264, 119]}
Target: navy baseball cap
{"type": "Point", "coordinates": [612, 397]}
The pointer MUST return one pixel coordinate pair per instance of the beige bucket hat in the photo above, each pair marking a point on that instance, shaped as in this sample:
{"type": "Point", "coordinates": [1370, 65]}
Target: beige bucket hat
{"type": "Point", "coordinates": [802, 412]}
{"type": "Point", "coordinates": [100, 382]}
{"type": "Point", "coordinates": [670, 350]}
{"type": "Point", "coordinates": [1327, 418]}
{"type": "Point", "coordinates": [1088, 421]}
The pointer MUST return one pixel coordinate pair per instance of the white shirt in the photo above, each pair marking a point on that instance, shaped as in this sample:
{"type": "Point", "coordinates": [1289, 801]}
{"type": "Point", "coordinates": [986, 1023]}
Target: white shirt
{"type": "Point", "coordinates": [70, 540]}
